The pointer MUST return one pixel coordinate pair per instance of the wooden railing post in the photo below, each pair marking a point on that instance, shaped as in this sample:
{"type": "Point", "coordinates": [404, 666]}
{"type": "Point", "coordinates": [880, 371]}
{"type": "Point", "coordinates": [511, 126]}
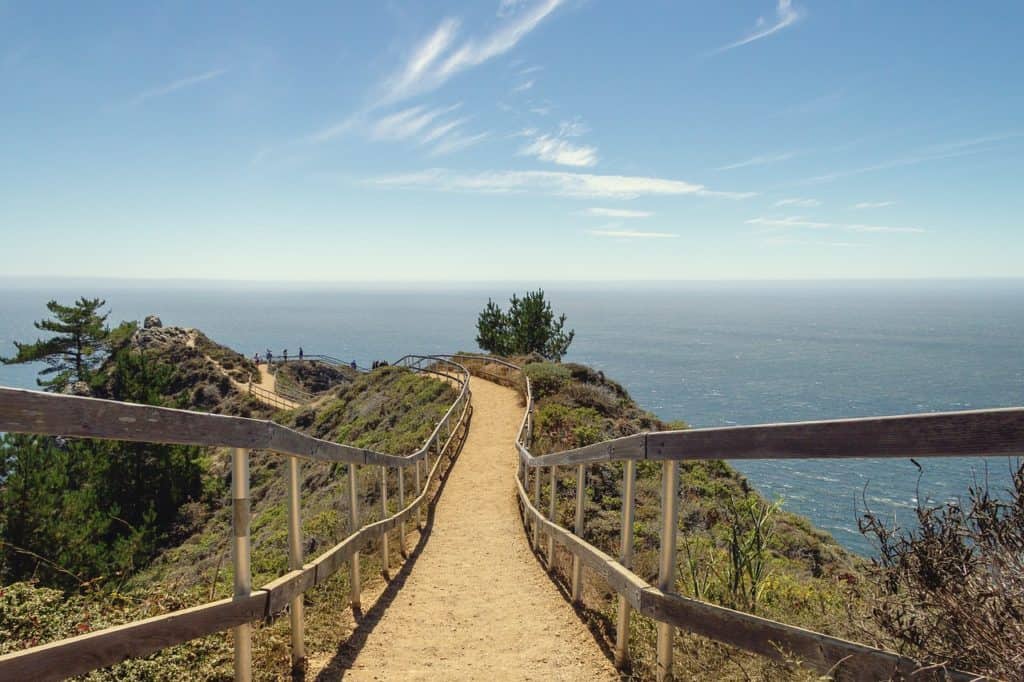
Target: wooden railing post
{"type": "Point", "coordinates": [626, 559]}
{"type": "Point", "coordinates": [419, 509]}
{"type": "Point", "coordinates": [667, 561]}
{"type": "Point", "coordinates": [240, 558]}
{"type": "Point", "coordinates": [577, 565]}
{"type": "Point", "coordinates": [295, 558]}
{"type": "Point", "coordinates": [401, 505]}
{"type": "Point", "coordinates": [536, 503]}
{"type": "Point", "coordinates": [385, 558]}
{"type": "Point", "coordinates": [353, 515]}
{"type": "Point", "coordinates": [552, 509]}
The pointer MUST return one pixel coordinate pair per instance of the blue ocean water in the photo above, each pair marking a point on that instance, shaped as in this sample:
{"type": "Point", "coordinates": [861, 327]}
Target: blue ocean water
{"type": "Point", "coordinates": [708, 353]}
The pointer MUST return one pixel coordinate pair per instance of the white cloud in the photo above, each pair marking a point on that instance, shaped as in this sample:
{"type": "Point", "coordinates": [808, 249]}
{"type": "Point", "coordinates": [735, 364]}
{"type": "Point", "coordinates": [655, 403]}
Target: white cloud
{"type": "Point", "coordinates": [421, 62]}
{"type": "Point", "coordinates": [937, 152]}
{"type": "Point", "coordinates": [455, 142]}
{"type": "Point", "coordinates": [796, 201]}
{"type": "Point", "coordinates": [441, 130]}
{"type": "Point", "coordinates": [564, 153]}
{"type": "Point", "coordinates": [178, 85]}
{"type": "Point", "coordinates": [785, 15]}
{"type": "Point", "coordinates": [809, 242]}
{"type": "Point", "coordinates": [407, 123]}
{"type": "Point", "coordinates": [523, 87]}
{"type": "Point", "coordinates": [872, 204]}
{"type": "Point", "coordinates": [573, 128]}
{"type": "Point", "coordinates": [632, 234]}
{"type": "Point", "coordinates": [436, 59]}
{"type": "Point", "coordinates": [543, 110]}
{"type": "Point", "coordinates": [800, 222]}
{"type": "Point", "coordinates": [618, 213]}
{"type": "Point", "coordinates": [558, 183]}
{"type": "Point", "coordinates": [758, 161]}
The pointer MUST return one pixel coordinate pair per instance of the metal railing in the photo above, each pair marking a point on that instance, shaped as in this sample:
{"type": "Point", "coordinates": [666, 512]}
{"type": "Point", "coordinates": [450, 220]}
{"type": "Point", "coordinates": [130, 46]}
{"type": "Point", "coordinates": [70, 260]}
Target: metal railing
{"type": "Point", "coordinates": [969, 433]}
{"type": "Point", "coordinates": [34, 412]}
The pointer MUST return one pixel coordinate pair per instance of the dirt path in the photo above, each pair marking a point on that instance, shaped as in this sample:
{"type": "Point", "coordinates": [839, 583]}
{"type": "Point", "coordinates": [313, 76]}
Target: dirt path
{"type": "Point", "coordinates": [476, 604]}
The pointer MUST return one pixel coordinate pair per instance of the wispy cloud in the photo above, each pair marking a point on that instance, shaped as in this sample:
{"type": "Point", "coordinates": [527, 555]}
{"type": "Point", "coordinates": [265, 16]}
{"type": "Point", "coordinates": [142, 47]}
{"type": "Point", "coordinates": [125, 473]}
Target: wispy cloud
{"type": "Point", "coordinates": [179, 84]}
{"type": "Point", "coordinates": [796, 201]}
{"type": "Point", "coordinates": [456, 142]}
{"type": "Point", "coordinates": [407, 123]}
{"type": "Point", "coordinates": [566, 184]}
{"type": "Point", "coordinates": [783, 241]}
{"type": "Point", "coordinates": [758, 161]}
{"type": "Point", "coordinates": [440, 131]}
{"type": "Point", "coordinates": [800, 222]}
{"type": "Point", "coordinates": [632, 234]}
{"type": "Point", "coordinates": [872, 204]}
{"type": "Point", "coordinates": [437, 58]}
{"type": "Point", "coordinates": [523, 87]}
{"type": "Point", "coordinates": [936, 152]}
{"type": "Point", "coordinates": [556, 150]}
{"type": "Point", "coordinates": [618, 213]}
{"type": "Point", "coordinates": [785, 15]}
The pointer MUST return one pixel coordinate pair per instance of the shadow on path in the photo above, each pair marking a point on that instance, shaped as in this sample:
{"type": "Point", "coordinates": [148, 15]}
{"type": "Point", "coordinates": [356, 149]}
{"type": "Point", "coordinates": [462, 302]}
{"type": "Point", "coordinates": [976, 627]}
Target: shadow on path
{"type": "Point", "coordinates": [347, 651]}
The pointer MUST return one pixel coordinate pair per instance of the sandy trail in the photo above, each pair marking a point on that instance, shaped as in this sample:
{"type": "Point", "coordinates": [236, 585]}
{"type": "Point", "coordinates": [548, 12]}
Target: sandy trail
{"type": "Point", "coordinates": [475, 604]}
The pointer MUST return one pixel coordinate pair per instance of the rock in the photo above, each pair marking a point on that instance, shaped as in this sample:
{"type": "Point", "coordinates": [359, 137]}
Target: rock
{"type": "Point", "coordinates": [152, 322]}
{"type": "Point", "coordinates": [79, 388]}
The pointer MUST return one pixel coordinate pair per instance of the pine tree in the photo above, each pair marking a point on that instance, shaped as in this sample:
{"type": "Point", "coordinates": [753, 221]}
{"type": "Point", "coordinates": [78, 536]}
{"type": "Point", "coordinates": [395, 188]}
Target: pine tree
{"type": "Point", "coordinates": [529, 326]}
{"type": "Point", "coordinates": [76, 348]}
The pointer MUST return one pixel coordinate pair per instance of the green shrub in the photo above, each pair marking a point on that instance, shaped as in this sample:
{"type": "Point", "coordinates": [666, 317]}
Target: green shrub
{"type": "Point", "coordinates": [546, 378]}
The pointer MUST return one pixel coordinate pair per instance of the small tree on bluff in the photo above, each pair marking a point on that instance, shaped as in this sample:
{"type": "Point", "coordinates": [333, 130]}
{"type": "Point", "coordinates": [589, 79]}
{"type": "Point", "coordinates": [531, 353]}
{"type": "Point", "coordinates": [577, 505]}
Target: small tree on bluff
{"type": "Point", "coordinates": [76, 348]}
{"type": "Point", "coordinates": [529, 326]}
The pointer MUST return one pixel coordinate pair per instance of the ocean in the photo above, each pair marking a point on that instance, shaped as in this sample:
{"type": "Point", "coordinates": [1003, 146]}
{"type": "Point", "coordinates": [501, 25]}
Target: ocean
{"type": "Point", "coordinates": [711, 354]}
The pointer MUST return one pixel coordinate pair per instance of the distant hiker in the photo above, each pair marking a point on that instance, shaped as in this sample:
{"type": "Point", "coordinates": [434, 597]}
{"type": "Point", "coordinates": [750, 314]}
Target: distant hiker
{"type": "Point", "coordinates": [256, 358]}
{"type": "Point", "coordinates": [285, 355]}
{"type": "Point", "coordinates": [270, 358]}
{"type": "Point", "coordinates": [353, 365]}
{"type": "Point", "coordinates": [300, 353]}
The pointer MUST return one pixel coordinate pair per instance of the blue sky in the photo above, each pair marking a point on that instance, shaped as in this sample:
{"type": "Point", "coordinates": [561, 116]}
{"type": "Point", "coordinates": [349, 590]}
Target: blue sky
{"type": "Point", "coordinates": [512, 140]}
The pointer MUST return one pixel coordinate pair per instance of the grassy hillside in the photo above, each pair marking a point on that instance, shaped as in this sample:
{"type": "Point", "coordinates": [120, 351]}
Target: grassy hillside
{"type": "Point", "coordinates": [736, 548]}
{"type": "Point", "coordinates": [391, 409]}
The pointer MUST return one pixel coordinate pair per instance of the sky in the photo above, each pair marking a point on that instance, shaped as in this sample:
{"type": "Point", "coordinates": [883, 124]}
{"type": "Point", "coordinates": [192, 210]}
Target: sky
{"type": "Point", "coordinates": [512, 140]}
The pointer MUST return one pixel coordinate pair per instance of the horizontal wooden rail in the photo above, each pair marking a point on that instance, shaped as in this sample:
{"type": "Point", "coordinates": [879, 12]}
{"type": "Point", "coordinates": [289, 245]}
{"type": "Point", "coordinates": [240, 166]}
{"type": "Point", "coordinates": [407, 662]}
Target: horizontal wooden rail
{"type": "Point", "coordinates": [969, 433]}
{"type": "Point", "coordinates": [759, 635]}
{"type": "Point", "coordinates": [26, 411]}
{"type": "Point", "coordinates": [34, 412]}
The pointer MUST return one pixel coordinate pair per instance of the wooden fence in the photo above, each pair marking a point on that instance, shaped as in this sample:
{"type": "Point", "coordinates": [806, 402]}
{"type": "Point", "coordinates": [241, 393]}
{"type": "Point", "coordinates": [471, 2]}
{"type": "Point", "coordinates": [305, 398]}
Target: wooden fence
{"type": "Point", "coordinates": [950, 434]}
{"type": "Point", "coordinates": [23, 411]}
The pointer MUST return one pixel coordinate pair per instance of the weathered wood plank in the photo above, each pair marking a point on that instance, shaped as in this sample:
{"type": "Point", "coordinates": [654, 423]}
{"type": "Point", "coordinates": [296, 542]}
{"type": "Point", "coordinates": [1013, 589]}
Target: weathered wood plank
{"type": "Point", "coordinates": [942, 434]}
{"type": "Point", "coordinates": [290, 585]}
{"type": "Point", "coordinates": [24, 411]}
{"type": "Point", "coordinates": [847, 660]}
{"type": "Point", "coordinates": [627, 447]}
{"type": "Point", "coordinates": [742, 630]}
{"type": "Point", "coordinates": [78, 655]}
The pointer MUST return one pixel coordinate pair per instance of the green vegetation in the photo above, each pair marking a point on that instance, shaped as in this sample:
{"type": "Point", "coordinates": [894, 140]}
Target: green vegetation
{"type": "Point", "coordinates": [952, 589]}
{"type": "Point", "coordinates": [75, 348]}
{"type": "Point", "coordinates": [113, 532]}
{"type": "Point", "coordinates": [735, 548]}
{"type": "Point", "coordinates": [76, 511]}
{"type": "Point", "coordinates": [529, 326]}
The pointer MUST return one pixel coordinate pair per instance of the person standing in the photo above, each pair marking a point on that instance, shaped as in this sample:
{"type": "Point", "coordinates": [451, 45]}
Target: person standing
{"type": "Point", "coordinates": [284, 356]}
{"type": "Point", "coordinates": [300, 353]}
